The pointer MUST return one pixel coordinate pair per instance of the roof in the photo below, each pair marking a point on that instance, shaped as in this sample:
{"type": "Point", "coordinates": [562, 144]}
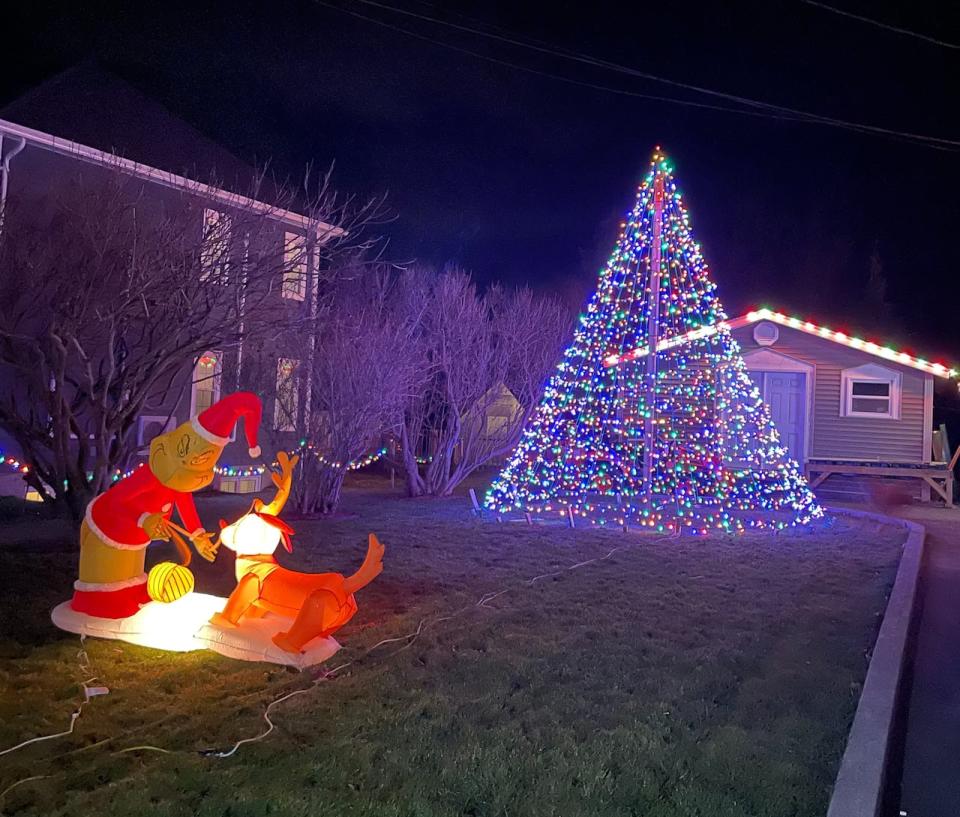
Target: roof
{"type": "Point", "coordinates": [89, 105]}
{"type": "Point", "coordinates": [811, 328]}
{"type": "Point", "coordinates": [93, 115]}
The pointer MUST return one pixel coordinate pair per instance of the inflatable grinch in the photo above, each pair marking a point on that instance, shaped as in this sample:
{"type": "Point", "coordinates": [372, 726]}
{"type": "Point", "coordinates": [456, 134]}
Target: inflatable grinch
{"type": "Point", "coordinates": [122, 521]}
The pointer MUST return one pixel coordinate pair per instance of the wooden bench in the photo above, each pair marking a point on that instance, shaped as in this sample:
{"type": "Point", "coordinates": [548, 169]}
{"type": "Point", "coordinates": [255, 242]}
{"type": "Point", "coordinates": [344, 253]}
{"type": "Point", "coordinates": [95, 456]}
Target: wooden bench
{"type": "Point", "coordinates": [933, 475]}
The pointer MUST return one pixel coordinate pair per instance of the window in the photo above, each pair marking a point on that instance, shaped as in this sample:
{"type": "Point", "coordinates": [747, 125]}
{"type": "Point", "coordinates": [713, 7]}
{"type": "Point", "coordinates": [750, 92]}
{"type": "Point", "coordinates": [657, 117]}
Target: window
{"type": "Point", "coordinates": [206, 382]}
{"type": "Point", "coordinates": [766, 333]}
{"type": "Point", "coordinates": [497, 426]}
{"type": "Point", "coordinates": [152, 425]}
{"type": "Point", "coordinates": [215, 247]}
{"type": "Point", "coordinates": [294, 267]}
{"type": "Point", "coordinates": [286, 405]}
{"type": "Point", "coordinates": [870, 391]}
{"type": "Point", "coordinates": [240, 485]}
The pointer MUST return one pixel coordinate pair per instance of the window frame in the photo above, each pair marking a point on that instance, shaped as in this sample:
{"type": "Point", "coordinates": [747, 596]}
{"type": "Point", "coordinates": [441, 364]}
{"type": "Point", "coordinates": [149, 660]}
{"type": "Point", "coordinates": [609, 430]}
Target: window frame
{"type": "Point", "coordinates": [144, 421]}
{"type": "Point", "coordinates": [283, 420]}
{"type": "Point", "coordinates": [873, 374]}
{"type": "Point", "coordinates": [215, 256]}
{"type": "Point", "coordinates": [216, 379]}
{"type": "Point", "coordinates": [293, 285]}
{"type": "Point", "coordinates": [769, 339]}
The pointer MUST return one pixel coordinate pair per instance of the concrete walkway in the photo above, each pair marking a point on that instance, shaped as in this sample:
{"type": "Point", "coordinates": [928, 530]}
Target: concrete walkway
{"type": "Point", "coordinates": [930, 784]}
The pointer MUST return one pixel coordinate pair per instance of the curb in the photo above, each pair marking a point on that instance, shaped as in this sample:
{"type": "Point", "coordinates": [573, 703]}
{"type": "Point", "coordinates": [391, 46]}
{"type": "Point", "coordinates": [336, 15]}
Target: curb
{"type": "Point", "coordinates": [861, 782]}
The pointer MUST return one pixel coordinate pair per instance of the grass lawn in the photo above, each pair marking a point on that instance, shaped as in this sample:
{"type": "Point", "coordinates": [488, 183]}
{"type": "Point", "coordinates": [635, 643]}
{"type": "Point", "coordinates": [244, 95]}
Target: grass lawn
{"type": "Point", "coordinates": [714, 677]}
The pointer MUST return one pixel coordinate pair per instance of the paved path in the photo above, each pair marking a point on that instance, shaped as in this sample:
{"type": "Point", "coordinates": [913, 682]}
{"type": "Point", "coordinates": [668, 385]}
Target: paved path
{"type": "Point", "coordinates": [931, 767]}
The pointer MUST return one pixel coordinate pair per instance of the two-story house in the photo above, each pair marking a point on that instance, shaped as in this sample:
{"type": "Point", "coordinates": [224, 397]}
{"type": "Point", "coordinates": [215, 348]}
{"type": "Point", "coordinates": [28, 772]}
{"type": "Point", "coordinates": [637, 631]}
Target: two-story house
{"type": "Point", "coordinates": [86, 123]}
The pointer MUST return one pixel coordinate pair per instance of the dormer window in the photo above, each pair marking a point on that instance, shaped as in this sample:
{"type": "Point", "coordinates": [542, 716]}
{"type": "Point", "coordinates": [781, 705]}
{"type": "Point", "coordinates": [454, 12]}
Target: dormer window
{"type": "Point", "coordinates": [870, 391]}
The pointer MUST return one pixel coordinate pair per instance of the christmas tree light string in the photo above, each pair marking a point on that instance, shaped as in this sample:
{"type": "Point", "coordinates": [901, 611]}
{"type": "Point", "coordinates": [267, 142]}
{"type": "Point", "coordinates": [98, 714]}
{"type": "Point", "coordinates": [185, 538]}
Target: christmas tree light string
{"type": "Point", "coordinates": [715, 460]}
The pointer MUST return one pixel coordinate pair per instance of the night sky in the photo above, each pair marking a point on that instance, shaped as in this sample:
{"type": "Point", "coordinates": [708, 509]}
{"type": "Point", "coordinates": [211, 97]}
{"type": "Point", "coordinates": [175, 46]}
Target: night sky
{"type": "Point", "coordinates": [523, 178]}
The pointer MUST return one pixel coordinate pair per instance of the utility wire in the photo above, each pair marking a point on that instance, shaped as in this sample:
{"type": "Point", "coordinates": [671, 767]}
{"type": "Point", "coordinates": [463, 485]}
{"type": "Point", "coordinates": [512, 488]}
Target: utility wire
{"type": "Point", "coordinates": [783, 111]}
{"type": "Point", "coordinates": [559, 77]}
{"type": "Point", "coordinates": [620, 91]}
{"type": "Point", "coordinates": [906, 32]}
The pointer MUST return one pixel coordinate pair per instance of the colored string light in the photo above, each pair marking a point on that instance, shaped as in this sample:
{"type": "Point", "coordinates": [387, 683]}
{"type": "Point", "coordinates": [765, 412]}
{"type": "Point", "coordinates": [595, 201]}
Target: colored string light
{"type": "Point", "coordinates": [715, 460]}
{"type": "Point", "coordinates": [14, 464]}
{"type": "Point", "coordinates": [353, 465]}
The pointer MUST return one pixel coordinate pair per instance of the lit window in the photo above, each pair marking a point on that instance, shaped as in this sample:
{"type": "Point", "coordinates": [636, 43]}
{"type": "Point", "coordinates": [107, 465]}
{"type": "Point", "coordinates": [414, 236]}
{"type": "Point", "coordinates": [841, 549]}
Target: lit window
{"type": "Point", "coordinates": [285, 407]}
{"type": "Point", "coordinates": [206, 382]}
{"type": "Point", "coordinates": [294, 267]}
{"type": "Point", "coordinates": [215, 247]}
{"type": "Point", "coordinates": [870, 391]}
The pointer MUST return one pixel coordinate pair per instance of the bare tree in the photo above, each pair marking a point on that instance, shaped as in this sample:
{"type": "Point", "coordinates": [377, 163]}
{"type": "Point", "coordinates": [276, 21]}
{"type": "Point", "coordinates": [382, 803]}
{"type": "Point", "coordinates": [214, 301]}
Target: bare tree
{"type": "Point", "coordinates": [488, 357]}
{"type": "Point", "coordinates": [106, 302]}
{"type": "Point", "coordinates": [367, 366]}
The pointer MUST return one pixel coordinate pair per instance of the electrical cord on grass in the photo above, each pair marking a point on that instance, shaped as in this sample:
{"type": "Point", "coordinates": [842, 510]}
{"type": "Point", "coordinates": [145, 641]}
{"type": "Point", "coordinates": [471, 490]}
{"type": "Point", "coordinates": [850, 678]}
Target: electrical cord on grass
{"type": "Point", "coordinates": [409, 639]}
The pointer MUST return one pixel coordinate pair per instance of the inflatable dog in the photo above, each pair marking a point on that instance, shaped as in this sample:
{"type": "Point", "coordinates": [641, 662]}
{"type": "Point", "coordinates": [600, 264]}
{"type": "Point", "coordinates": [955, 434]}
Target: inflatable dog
{"type": "Point", "coordinates": [319, 604]}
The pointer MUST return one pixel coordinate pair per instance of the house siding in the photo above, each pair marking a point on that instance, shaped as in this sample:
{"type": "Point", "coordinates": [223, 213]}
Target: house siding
{"type": "Point", "coordinates": [39, 177]}
{"type": "Point", "coordinates": [833, 436]}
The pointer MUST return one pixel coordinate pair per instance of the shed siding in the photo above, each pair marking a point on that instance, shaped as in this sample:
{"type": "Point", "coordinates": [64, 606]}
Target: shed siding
{"type": "Point", "coordinates": [833, 436]}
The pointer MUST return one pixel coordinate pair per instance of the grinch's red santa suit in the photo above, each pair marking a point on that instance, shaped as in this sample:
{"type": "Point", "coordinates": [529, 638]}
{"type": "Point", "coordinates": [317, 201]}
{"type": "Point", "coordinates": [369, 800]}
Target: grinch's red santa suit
{"type": "Point", "coordinates": [122, 521]}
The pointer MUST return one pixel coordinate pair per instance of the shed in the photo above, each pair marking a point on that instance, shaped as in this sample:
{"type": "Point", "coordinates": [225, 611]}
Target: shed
{"type": "Point", "coordinates": [849, 410]}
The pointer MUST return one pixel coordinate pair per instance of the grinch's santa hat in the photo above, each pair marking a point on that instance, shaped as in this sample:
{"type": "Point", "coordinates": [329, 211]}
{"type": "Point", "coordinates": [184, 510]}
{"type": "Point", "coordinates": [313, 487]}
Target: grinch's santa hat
{"type": "Point", "coordinates": [216, 423]}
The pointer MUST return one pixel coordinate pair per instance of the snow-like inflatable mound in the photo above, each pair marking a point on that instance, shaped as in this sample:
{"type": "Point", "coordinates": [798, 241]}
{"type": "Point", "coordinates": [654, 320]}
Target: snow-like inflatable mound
{"type": "Point", "coordinates": [184, 625]}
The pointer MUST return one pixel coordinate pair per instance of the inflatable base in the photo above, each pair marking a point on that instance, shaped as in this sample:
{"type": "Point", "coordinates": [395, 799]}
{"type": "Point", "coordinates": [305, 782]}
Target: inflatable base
{"type": "Point", "coordinates": [183, 625]}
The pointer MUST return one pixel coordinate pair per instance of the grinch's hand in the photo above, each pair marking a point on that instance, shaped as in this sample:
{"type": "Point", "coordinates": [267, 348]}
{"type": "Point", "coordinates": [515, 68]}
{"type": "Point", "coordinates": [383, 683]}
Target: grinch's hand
{"type": "Point", "coordinates": [204, 544]}
{"type": "Point", "coordinates": [155, 524]}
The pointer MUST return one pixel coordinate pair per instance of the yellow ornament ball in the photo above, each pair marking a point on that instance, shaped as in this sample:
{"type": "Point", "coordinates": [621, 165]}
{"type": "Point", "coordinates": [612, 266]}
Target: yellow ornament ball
{"type": "Point", "coordinates": [168, 582]}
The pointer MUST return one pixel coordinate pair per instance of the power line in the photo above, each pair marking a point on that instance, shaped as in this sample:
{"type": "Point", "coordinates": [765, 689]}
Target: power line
{"type": "Point", "coordinates": [760, 114]}
{"type": "Point", "coordinates": [906, 32]}
{"type": "Point", "coordinates": [559, 77]}
{"type": "Point", "coordinates": [792, 113]}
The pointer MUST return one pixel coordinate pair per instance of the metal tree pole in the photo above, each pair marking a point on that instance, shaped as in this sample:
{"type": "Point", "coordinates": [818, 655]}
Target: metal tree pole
{"type": "Point", "coordinates": [653, 335]}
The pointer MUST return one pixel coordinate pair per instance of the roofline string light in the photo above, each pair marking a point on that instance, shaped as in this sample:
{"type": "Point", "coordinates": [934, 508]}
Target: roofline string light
{"type": "Point", "coordinates": [764, 314]}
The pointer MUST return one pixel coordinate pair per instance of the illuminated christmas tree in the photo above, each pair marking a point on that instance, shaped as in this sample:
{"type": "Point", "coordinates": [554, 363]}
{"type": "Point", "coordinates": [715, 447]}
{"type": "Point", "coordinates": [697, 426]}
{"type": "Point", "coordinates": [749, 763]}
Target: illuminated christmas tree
{"type": "Point", "coordinates": [651, 418]}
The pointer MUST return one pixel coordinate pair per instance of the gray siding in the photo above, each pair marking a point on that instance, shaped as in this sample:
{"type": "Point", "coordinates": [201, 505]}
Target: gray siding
{"type": "Point", "coordinates": [834, 436]}
{"type": "Point", "coordinates": [39, 177]}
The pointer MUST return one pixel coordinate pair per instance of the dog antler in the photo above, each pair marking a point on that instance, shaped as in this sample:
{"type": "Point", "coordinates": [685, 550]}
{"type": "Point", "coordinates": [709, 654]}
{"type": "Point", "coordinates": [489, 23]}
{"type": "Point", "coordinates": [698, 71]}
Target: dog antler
{"type": "Point", "coordinates": [283, 481]}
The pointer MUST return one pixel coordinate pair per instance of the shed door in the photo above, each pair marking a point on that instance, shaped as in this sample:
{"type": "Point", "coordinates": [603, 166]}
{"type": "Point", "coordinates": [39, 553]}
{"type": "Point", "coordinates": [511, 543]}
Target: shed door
{"type": "Point", "coordinates": [785, 396]}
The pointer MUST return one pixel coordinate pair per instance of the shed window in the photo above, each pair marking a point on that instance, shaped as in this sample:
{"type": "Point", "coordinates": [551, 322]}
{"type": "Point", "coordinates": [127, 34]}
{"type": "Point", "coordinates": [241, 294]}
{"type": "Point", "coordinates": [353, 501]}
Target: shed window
{"type": "Point", "coordinates": [766, 333]}
{"type": "Point", "coordinates": [871, 391]}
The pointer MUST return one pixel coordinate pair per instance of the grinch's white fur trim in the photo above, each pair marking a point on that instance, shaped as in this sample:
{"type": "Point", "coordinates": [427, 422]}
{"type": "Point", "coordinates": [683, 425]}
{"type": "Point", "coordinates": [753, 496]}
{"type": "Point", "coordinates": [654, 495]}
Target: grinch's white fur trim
{"type": "Point", "coordinates": [208, 435]}
{"type": "Point", "coordinates": [255, 451]}
{"type": "Point", "coordinates": [109, 587]}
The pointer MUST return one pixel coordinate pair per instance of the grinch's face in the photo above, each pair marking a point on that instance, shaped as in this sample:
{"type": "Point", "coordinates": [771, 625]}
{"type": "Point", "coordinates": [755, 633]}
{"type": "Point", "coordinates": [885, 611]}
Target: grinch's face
{"type": "Point", "coordinates": [181, 459]}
